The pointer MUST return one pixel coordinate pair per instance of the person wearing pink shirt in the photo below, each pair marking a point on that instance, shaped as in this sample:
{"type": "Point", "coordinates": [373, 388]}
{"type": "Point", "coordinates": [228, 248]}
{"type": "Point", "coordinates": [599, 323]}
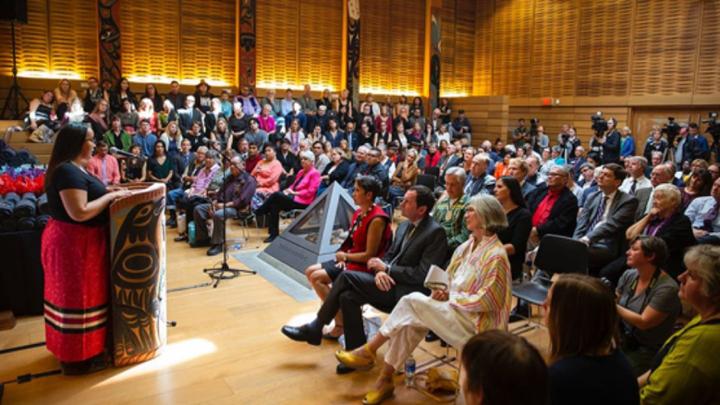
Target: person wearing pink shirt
{"type": "Point", "coordinates": [298, 196]}
{"type": "Point", "coordinates": [104, 166]}
{"type": "Point", "coordinates": [267, 174]}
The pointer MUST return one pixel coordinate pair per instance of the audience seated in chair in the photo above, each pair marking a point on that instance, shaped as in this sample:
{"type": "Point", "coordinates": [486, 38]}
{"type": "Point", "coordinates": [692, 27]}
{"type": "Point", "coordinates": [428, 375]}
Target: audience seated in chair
{"type": "Point", "coordinates": [478, 180]}
{"type": "Point", "coordinates": [686, 369]}
{"type": "Point", "coordinates": [234, 196]}
{"type": "Point", "coordinates": [419, 243]}
{"type": "Point", "coordinates": [703, 214]}
{"type": "Point", "coordinates": [298, 196]}
{"type": "Point", "coordinates": [478, 299]}
{"type": "Point", "coordinates": [494, 362]}
{"type": "Point", "coordinates": [404, 177]}
{"type": "Point", "coordinates": [186, 200]}
{"type": "Point", "coordinates": [449, 211]}
{"type": "Point", "coordinates": [515, 237]}
{"type": "Point", "coordinates": [370, 236]}
{"type": "Point", "coordinates": [648, 302]}
{"type": "Point", "coordinates": [605, 217]}
{"type": "Point", "coordinates": [585, 365]}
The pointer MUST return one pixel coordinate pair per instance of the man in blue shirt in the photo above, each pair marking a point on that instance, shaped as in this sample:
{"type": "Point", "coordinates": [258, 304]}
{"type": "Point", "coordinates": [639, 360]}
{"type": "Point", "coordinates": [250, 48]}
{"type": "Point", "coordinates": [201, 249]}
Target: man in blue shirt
{"type": "Point", "coordinates": [703, 214]}
{"type": "Point", "coordinates": [145, 139]}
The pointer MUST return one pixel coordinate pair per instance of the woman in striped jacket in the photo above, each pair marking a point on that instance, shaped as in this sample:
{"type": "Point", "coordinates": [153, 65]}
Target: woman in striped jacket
{"type": "Point", "coordinates": [477, 299]}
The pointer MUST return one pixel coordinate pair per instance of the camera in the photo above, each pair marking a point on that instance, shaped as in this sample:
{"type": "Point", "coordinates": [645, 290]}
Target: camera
{"type": "Point", "coordinates": [599, 124]}
{"type": "Point", "coordinates": [671, 129]}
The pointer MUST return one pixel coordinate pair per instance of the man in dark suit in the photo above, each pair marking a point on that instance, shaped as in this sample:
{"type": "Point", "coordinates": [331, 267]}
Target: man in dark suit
{"type": "Point", "coordinates": [605, 217]}
{"type": "Point", "coordinates": [479, 182]}
{"type": "Point", "coordinates": [419, 243]}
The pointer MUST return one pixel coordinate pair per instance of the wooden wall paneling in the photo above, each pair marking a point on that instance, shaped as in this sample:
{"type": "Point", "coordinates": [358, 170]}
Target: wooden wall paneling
{"type": "Point", "coordinates": [148, 52]}
{"type": "Point", "coordinates": [488, 116]}
{"type": "Point", "coordinates": [707, 75]}
{"type": "Point", "coordinates": [643, 120]}
{"type": "Point", "coordinates": [512, 39]}
{"type": "Point", "coordinates": [31, 39]}
{"type": "Point", "coordinates": [73, 40]}
{"type": "Point", "coordinates": [207, 39]}
{"type": "Point", "coordinates": [664, 47]}
{"type": "Point", "coordinates": [458, 41]}
{"type": "Point", "coordinates": [375, 57]}
{"type": "Point", "coordinates": [554, 48]}
{"type": "Point", "coordinates": [447, 56]}
{"type": "Point", "coordinates": [320, 63]}
{"type": "Point", "coordinates": [603, 52]}
{"type": "Point", "coordinates": [277, 42]}
{"type": "Point", "coordinates": [483, 51]}
{"type": "Point", "coordinates": [407, 45]}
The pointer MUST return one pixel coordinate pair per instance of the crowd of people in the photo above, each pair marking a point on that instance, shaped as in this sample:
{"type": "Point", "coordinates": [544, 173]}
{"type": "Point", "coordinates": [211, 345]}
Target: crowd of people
{"type": "Point", "coordinates": [651, 227]}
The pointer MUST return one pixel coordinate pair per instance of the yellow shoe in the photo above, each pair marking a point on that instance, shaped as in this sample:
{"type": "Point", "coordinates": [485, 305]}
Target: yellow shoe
{"type": "Point", "coordinates": [377, 396]}
{"type": "Point", "coordinates": [352, 360]}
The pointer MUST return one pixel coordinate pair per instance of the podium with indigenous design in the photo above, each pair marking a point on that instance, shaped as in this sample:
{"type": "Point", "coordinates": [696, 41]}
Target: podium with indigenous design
{"type": "Point", "coordinates": [137, 274]}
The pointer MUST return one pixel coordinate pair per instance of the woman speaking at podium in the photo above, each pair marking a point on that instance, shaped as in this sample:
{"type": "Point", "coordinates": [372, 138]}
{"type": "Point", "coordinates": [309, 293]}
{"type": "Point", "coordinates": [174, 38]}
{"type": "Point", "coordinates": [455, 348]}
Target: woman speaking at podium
{"type": "Point", "coordinates": [75, 254]}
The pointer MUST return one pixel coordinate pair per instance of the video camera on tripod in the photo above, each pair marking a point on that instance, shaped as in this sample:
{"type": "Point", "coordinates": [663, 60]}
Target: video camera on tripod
{"type": "Point", "coordinates": [599, 124]}
{"type": "Point", "coordinates": [671, 129]}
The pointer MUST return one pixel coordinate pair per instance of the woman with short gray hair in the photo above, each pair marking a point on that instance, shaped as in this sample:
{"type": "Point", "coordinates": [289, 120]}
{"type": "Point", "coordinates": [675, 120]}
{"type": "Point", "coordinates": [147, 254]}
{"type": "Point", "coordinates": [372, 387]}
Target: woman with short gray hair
{"type": "Point", "coordinates": [686, 369]}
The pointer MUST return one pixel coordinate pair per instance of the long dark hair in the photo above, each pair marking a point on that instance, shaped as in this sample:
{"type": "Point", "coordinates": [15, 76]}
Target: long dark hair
{"type": "Point", "coordinates": [155, 146]}
{"type": "Point", "coordinates": [515, 191]}
{"type": "Point", "coordinates": [68, 144]}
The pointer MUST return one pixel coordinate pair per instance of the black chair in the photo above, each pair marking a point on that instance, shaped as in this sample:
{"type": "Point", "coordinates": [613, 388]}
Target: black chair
{"type": "Point", "coordinates": [556, 255]}
{"type": "Point", "coordinates": [433, 171]}
{"type": "Point", "coordinates": [426, 180]}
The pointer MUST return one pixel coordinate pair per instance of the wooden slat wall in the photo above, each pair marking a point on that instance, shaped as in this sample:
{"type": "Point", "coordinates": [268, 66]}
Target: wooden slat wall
{"type": "Point", "coordinates": [488, 116]}
{"type": "Point", "coordinates": [512, 41]}
{"type": "Point", "coordinates": [663, 55]}
{"type": "Point", "coordinates": [392, 40]}
{"type": "Point", "coordinates": [207, 40]}
{"type": "Point", "coordinates": [320, 63]}
{"type": "Point", "coordinates": [283, 27]}
{"type": "Point", "coordinates": [150, 39]}
{"type": "Point", "coordinates": [554, 46]}
{"type": "Point", "coordinates": [60, 38]}
{"type": "Point", "coordinates": [598, 52]}
{"type": "Point", "coordinates": [707, 81]}
{"type": "Point", "coordinates": [458, 39]}
{"type": "Point", "coordinates": [482, 61]}
{"type": "Point", "coordinates": [603, 52]}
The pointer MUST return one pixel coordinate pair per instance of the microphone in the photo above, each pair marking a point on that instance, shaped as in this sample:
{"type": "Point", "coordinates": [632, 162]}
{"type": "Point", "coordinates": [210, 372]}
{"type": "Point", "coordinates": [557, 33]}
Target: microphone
{"type": "Point", "coordinates": [121, 152]}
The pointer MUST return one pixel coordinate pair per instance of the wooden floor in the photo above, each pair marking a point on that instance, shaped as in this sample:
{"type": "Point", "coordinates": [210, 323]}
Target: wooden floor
{"type": "Point", "coordinates": [226, 349]}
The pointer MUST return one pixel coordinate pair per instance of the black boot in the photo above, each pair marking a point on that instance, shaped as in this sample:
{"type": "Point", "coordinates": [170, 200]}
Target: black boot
{"type": "Point", "coordinates": [520, 312]}
{"type": "Point", "coordinates": [172, 222]}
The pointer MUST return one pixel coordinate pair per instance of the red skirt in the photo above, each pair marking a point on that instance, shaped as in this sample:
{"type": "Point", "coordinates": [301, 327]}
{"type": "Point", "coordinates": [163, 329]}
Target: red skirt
{"type": "Point", "coordinates": [76, 262]}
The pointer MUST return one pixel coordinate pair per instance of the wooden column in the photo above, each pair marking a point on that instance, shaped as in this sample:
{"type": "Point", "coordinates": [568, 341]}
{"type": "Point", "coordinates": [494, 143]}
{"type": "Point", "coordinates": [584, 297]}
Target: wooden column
{"type": "Point", "coordinates": [432, 52]}
{"type": "Point", "coordinates": [247, 60]}
{"type": "Point", "coordinates": [109, 40]}
{"type": "Point", "coordinates": [353, 50]}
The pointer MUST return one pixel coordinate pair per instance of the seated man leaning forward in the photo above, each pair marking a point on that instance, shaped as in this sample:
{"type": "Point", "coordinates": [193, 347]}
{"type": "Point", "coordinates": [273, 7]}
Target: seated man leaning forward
{"type": "Point", "coordinates": [370, 236]}
{"type": "Point", "coordinates": [419, 243]}
{"type": "Point", "coordinates": [478, 299]}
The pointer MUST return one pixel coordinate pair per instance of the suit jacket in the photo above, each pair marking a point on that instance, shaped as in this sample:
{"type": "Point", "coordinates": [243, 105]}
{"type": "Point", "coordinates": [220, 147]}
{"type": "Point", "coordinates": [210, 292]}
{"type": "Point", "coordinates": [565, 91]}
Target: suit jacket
{"type": "Point", "coordinates": [485, 186]}
{"type": "Point", "coordinates": [526, 189]}
{"type": "Point", "coordinates": [338, 174]}
{"type": "Point", "coordinates": [609, 234]}
{"type": "Point", "coordinates": [409, 264]}
{"type": "Point", "coordinates": [643, 197]}
{"type": "Point", "coordinates": [563, 215]}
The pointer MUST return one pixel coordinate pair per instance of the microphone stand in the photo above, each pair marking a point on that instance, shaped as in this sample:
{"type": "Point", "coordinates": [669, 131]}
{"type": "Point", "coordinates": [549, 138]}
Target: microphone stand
{"type": "Point", "coordinates": [224, 272]}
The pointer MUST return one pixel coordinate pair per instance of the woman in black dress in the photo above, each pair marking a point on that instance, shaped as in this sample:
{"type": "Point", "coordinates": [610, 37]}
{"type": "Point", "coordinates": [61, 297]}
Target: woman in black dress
{"type": "Point", "coordinates": [515, 236]}
{"type": "Point", "coordinates": [159, 167]}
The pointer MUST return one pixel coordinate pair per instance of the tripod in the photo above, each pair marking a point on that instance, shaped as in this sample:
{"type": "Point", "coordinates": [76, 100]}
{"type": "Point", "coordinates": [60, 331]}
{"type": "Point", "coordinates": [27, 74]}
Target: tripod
{"type": "Point", "coordinates": [12, 101]}
{"type": "Point", "coordinates": [224, 272]}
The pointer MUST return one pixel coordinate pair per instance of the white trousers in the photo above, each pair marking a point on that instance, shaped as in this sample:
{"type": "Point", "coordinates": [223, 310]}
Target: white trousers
{"type": "Point", "coordinates": [411, 319]}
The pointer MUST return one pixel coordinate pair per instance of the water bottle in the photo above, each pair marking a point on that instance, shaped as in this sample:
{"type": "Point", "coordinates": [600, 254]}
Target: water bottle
{"type": "Point", "coordinates": [410, 371]}
{"type": "Point", "coordinates": [191, 232]}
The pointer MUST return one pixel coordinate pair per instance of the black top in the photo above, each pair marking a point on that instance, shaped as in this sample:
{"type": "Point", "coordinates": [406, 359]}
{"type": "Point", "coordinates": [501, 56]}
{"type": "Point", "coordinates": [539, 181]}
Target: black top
{"type": "Point", "coordinates": [593, 380]}
{"type": "Point", "coordinates": [517, 233]}
{"type": "Point", "coordinates": [68, 176]}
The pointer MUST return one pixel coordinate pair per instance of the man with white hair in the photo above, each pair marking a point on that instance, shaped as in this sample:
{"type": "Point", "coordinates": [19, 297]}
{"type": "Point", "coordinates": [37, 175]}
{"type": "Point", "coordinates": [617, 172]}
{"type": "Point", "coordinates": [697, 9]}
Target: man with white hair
{"type": "Point", "coordinates": [534, 177]}
{"type": "Point", "coordinates": [356, 167]}
{"type": "Point", "coordinates": [636, 179]}
{"type": "Point", "coordinates": [479, 182]}
{"type": "Point", "coordinates": [449, 211]}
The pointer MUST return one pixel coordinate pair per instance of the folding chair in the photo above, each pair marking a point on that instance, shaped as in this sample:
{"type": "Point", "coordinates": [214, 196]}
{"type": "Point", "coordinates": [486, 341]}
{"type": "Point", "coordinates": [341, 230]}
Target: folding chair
{"type": "Point", "coordinates": [426, 180]}
{"type": "Point", "coordinates": [556, 255]}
